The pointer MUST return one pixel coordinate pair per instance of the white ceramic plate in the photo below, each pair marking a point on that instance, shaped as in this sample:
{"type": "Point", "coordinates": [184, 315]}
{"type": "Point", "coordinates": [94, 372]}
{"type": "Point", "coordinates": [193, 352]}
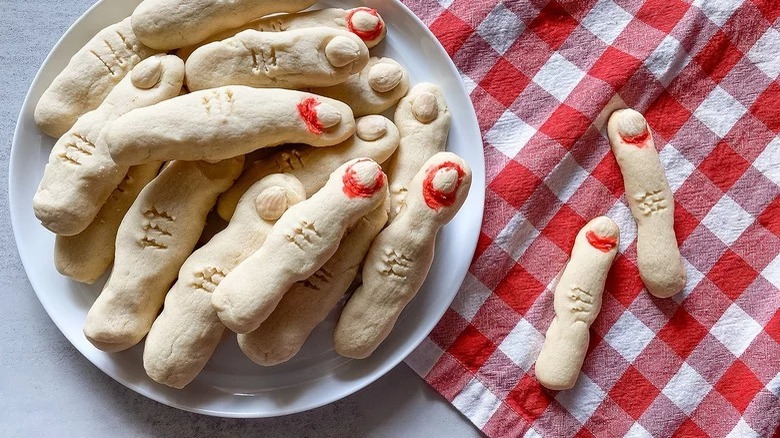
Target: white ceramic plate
{"type": "Point", "coordinates": [231, 385]}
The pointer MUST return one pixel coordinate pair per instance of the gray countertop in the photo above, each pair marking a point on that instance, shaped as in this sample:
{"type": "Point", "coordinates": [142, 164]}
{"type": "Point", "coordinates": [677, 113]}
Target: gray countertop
{"type": "Point", "coordinates": [48, 389]}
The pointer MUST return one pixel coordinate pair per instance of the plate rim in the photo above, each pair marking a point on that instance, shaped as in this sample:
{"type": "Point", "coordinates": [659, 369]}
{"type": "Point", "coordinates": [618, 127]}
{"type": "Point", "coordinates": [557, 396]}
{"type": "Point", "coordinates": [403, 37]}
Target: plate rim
{"type": "Point", "coordinates": [477, 191]}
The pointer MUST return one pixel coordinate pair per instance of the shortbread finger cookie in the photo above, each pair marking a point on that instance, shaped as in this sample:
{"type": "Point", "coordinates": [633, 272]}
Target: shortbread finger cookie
{"type": "Point", "coordinates": [577, 303]}
{"type": "Point", "coordinates": [172, 24]}
{"type": "Point", "coordinates": [80, 174]}
{"type": "Point", "coordinates": [366, 23]}
{"type": "Point", "coordinates": [375, 137]}
{"type": "Point", "coordinates": [311, 57]}
{"type": "Point", "coordinates": [184, 336]}
{"type": "Point", "coordinates": [308, 302]}
{"type": "Point", "coordinates": [373, 90]}
{"type": "Point", "coordinates": [423, 120]}
{"type": "Point", "coordinates": [156, 236]}
{"type": "Point", "coordinates": [303, 239]}
{"type": "Point", "coordinates": [88, 255]}
{"type": "Point", "coordinates": [651, 202]}
{"type": "Point", "coordinates": [225, 122]}
{"type": "Point", "coordinates": [88, 78]}
{"type": "Point", "coordinates": [400, 257]}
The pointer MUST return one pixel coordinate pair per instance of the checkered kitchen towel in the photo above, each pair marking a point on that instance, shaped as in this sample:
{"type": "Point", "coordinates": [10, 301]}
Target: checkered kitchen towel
{"type": "Point", "coordinates": [543, 76]}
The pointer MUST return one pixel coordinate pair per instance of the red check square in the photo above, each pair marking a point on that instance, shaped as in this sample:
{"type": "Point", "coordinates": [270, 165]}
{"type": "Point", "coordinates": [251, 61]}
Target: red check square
{"type": "Point", "coordinates": [515, 184]}
{"type": "Point", "coordinates": [633, 392]}
{"type": "Point", "coordinates": [767, 107]}
{"type": "Point", "coordinates": [682, 333]}
{"type": "Point", "coordinates": [451, 31]}
{"type": "Point", "coordinates": [553, 24]}
{"type": "Point", "coordinates": [529, 398]}
{"type": "Point", "coordinates": [615, 67]}
{"type": "Point", "coordinates": [666, 116]}
{"type": "Point", "coordinates": [471, 348]}
{"type": "Point", "coordinates": [504, 82]}
{"type": "Point", "coordinates": [519, 289]}
{"type": "Point", "coordinates": [732, 274]}
{"type": "Point", "coordinates": [723, 166]}
{"type": "Point", "coordinates": [739, 385]}
{"type": "Point", "coordinates": [718, 57]}
{"type": "Point", "coordinates": [662, 14]}
{"type": "Point", "coordinates": [566, 125]}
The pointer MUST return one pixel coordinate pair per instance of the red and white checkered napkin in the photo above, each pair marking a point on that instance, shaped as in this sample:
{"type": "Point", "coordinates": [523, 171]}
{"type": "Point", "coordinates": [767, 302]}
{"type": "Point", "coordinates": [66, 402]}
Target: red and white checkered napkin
{"type": "Point", "coordinates": [543, 77]}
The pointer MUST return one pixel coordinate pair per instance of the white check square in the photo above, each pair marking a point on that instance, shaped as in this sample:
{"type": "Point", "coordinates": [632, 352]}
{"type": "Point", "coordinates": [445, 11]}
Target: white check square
{"type": "Point", "coordinates": [718, 11]}
{"type": "Point", "coordinates": [470, 297]}
{"type": "Point", "coordinates": [693, 276]}
{"type": "Point", "coordinates": [768, 162]}
{"type": "Point", "coordinates": [566, 178]}
{"type": "Point", "coordinates": [667, 60]}
{"type": "Point", "coordinates": [719, 111]}
{"type": "Point", "coordinates": [637, 431]}
{"type": "Point", "coordinates": [687, 389]}
{"type": "Point", "coordinates": [677, 167]}
{"type": "Point", "coordinates": [477, 402]}
{"type": "Point", "coordinates": [468, 83]}
{"type": "Point", "coordinates": [582, 400]}
{"type": "Point", "coordinates": [742, 430]}
{"type": "Point", "coordinates": [764, 53]}
{"type": "Point", "coordinates": [621, 214]}
{"type": "Point", "coordinates": [509, 134]}
{"type": "Point", "coordinates": [606, 20]}
{"type": "Point", "coordinates": [727, 220]}
{"type": "Point", "coordinates": [736, 329]}
{"type": "Point", "coordinates": [629, 336]}
{"type": "Point", "coordinates": [558, 76]}
{"type": "Point", "coordinates": [522, 344]}
{"type": "Point", "coordinates": [500, 28]}
{"type": "Point", "coordinates": [772, 272]}
{"type": "Point", "coordinates": [517, 236]}
{"type": "Point", "coordinates": [774, 385]}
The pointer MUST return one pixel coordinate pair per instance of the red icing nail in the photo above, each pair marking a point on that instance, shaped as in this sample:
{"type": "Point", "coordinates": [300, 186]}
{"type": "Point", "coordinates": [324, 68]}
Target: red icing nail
{"type": "Point", "coordinates": [604, 244]}
{"type": "Point", "coordinates": [436, 199]}
{"type": "Point", "coordinates": [637, 140]}
{"type": "Point", "coordinates": [308, 111]}
{"type": "Point", "coordinates": [363, 34]}
{"type": "Point", "coordinates": [354, 188]}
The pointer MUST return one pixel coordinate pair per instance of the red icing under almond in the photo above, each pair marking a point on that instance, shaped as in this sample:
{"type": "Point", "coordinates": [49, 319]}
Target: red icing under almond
{"type": "Point", "coordinates": [436, 199]}
{"type": "Point", "coordinates": [353, 188]}
{"type": "Point", "coordinates": [308, 111]}
{"type": "Point", "coordinates": [363, 34]}
{"type": "Point", "coordinates": [637, 140]}
{"type": "Point", "coordinates": [604, 244]}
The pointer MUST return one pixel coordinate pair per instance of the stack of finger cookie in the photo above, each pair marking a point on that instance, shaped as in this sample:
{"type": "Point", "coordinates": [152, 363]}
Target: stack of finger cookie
{"type": "Point", "coordinates": [254, 130]}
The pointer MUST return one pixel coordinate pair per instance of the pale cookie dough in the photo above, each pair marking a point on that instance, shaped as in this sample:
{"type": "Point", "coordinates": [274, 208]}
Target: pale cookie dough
{"type": "Point", "coordinates": [156, 236]}
{"type": "Point", "coordinates": [651, 202]}
{"type": "Point", "coordinates": [303, 239]}
{"type": "Point", "coordinates": [184, 336]}
{"type": "Point", "coordinates": [225, 122]}
{"type": "Point", "coordinates": [172, 24]}
{"type": "Point", "coordinates": [309, 302]}
{"type": "Point", "coordinates": [363, 22]}
{"type": "Point", "coordinates": [88, 255]}
{"type": "Point", "coordinates": [423, 120]}
{"type": "Point", "coordinates": [374, 89]}
{"type": "Point", "coordinates": [400, 257]}
{"type": "Point", "coordinates": [88, 78]}
{"type": "Point", "coordinates": [577, 303]}
{"type": "Point", "coordinates": [375, 137]}
{"type": "Point", "coordinates": [80, 174]}
{"type": "Point", "coordinates": [311, 57]}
